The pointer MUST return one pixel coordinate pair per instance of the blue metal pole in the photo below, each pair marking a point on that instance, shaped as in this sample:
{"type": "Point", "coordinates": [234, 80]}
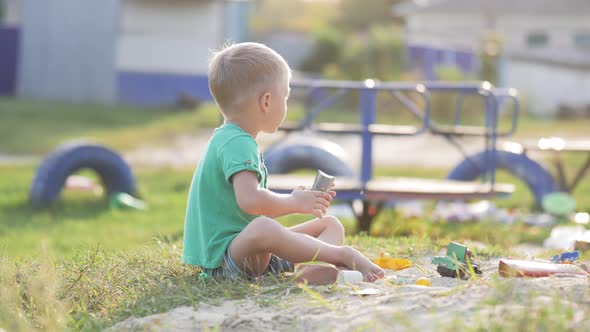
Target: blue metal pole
{"type": "Point", "coordinates": [490, 138]}
{"type": "Point", "coordinates": [494, 114]}
{"type": "Point", "coordinates": [368, 114]}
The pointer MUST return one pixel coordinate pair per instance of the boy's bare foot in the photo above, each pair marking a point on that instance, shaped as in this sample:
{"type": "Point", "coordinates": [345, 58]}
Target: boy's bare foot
{"type": "Point", "coordinates": [357, 261]}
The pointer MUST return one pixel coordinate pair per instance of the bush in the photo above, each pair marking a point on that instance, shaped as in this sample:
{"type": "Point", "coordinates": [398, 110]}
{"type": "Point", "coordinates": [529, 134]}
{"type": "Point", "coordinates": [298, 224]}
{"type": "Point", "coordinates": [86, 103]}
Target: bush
{"type": "Point", "coordinates": [328, 47]}
{"type": "Point", "coordinates": [378, 53]}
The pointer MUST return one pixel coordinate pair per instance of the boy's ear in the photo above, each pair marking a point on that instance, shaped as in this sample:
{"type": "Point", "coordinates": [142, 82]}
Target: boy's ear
{"type": "Point", "coordinates": [264, 101]}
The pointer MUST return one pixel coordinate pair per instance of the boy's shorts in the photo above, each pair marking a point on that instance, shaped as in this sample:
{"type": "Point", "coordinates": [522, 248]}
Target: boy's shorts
{"type": "Point", "coordinates": [229, 269]}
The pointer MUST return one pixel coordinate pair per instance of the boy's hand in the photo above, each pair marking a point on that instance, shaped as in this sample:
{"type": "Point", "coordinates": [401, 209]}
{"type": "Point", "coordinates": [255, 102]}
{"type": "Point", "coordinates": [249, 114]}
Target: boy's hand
{"type": "Point", "coordinates": [311, 202]}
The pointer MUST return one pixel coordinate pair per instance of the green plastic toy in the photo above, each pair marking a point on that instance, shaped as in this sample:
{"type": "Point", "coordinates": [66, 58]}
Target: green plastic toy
{"type": "Point", "coordinates": [120, 200]}
{"type": "Point", "coordinates": [456, 262]}
{"type": "Point", "coordinates": [559, 204]}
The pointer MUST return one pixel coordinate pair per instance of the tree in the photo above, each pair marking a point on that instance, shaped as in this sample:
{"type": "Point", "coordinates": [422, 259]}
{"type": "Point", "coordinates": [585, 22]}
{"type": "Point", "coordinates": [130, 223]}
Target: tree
{"type": "Point", "coordinates": [327, 49]}
{"type": "Point", "coordinates": [360, 15]}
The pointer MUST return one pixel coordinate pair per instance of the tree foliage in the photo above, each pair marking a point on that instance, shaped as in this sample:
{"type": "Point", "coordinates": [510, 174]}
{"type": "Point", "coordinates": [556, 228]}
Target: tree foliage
{"type": "Point", "coordinates": [361, 15]}
{"type": "Point", "coordinates": [293, 15]}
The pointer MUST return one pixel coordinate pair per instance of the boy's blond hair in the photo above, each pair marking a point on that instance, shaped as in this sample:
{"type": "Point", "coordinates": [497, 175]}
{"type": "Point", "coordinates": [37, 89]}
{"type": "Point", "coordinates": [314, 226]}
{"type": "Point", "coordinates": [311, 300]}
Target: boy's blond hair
{"type": "Point", "coordinates": [242, 71]}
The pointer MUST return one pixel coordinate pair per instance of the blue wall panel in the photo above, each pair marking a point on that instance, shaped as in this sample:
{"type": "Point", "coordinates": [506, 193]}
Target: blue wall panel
{"type": "Point", "coordinates": [9, 39]}
{"type": "Point", "coordinates": [160, 89]}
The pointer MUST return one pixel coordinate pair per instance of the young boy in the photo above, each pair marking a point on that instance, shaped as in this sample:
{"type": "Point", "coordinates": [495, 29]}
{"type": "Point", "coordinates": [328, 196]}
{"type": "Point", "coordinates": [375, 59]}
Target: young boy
{"type": "Point", "coordinates": [229, 228]}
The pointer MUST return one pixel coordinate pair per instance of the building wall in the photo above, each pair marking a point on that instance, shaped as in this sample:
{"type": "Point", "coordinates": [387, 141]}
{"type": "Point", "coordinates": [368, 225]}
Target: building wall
{"type": "Point", "coordinates": [237, 19]}
{"type": "Point", "coordinates": [62, 56]}
{"type": "Point", "coordinates": [467, 31]}
{"type": "Point", "coordinates": [173, 36]}
{"type": "Point", "coordinates": [545, 86]}
{"type": "Point", "coordinates": [560, 31]}
{"type": "Point", "coordinates": [164, 48]}
{"type": "Point", "coordinates": [437, 30]}
{"type": "Point", "coordinates": [12, 9]}
{"type": "Point", "coordinates": [435, 40]}
{"type": "Point", "coordinates": [156, 52]}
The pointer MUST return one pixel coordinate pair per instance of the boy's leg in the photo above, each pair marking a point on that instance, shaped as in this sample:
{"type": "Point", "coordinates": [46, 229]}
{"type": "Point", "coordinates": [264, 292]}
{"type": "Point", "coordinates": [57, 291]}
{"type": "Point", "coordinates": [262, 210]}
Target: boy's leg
{"type": "Point", "coordinates": [251, 249]}
{"type": "Point", "coordinates": [327, 229]}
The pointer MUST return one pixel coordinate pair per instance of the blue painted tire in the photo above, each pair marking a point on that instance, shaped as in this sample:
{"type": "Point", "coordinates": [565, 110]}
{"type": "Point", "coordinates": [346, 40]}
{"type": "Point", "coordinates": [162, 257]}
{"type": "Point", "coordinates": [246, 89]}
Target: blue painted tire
{"type": "Point", "coordinates": [539, 181]}
{"type": "Point", "coordinates": [289, 157]}
{"type": "Point", "coordinates": [67, 159]}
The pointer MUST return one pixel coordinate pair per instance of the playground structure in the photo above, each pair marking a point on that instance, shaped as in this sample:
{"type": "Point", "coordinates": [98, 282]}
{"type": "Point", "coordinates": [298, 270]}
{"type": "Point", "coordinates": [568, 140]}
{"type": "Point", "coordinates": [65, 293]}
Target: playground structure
{"type": "Point", "coordinates": [67, 159]}
{"type": "Point", "coordinates": [368, 194]}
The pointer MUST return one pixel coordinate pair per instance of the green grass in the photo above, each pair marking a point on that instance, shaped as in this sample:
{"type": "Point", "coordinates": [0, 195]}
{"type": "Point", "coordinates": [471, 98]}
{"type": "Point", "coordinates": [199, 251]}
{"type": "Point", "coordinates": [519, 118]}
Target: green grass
{"type": "Point", "coordinates": [82, 220]}
{"type": "Point", "coordinates": [23, 123]}
{"type": "Point", "coordinates": [530, 126]}
{"type": "Point", "coordinates": [79, 220]}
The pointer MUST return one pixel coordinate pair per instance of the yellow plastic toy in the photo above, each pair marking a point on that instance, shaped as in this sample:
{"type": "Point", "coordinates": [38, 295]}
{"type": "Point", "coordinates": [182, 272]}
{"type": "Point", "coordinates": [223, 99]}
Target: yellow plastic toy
{"type": "Point", "coordinates": [423, 282]}
{"type": "Point", "coordinates": [395, 264]}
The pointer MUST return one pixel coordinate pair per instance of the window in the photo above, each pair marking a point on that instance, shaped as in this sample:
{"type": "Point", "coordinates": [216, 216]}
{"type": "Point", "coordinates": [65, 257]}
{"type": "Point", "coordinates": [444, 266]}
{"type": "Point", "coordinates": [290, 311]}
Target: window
{"type": "Point", "coordinates": [537, 39]}
{"type": "Point", "coordinates": [582, 39]}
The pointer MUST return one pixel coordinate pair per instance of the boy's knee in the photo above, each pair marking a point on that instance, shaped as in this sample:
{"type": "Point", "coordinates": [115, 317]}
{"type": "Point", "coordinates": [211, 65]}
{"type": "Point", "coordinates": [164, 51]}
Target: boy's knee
{"type": "Point", "coordinates": [333, 222]}
{"type": "Point", "coordinates": [263, 230]}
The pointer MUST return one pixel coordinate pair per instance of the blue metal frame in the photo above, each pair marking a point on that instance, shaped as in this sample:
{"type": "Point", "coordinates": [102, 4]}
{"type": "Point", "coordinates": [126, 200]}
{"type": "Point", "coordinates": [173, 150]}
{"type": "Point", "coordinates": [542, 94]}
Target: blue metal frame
{"type": "Point", "coordinates": [368, 96]}
{"type": "Point", "coordinates": [368, 117]}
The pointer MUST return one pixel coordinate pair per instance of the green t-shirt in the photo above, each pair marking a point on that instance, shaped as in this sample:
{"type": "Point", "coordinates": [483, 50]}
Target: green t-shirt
{"type": "Point", "coordinates": [213, 217]}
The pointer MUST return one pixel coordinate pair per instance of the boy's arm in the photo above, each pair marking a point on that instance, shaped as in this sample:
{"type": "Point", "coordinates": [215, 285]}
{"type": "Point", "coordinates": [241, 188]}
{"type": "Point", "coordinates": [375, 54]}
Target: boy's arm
{"type": "Point", "coordinates": [260, 201]}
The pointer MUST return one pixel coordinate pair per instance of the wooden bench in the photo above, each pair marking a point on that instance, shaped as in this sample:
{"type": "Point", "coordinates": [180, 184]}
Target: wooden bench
{"type": "Point", "coordinates": [399, 188]}
{"type": "Point", "coordinates": [382, 189]}
{"type": "Point", "coordinates": [351, 128]}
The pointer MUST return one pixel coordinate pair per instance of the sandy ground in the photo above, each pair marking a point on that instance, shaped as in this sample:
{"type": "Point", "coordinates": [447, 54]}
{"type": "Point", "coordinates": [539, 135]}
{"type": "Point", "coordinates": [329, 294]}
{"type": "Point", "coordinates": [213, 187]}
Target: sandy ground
{"type": "Point", "coordinates": [424, 150]}
{"type": "Point", "coordinates": [10, 159]}
{"type": "Point", "coordinates": [391, 307]}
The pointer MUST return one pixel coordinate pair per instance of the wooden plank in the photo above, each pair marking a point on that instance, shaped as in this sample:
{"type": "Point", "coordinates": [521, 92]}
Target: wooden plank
{"type": "Point", "coordinates": [412, 188]}
{"type": "Point", "coordinates": [459, 130]}
{"type": "Point", "coordinates": [400, 188]}
{"type": "Point", "coordinates": [383, 129]}
{"type": "Point", "coordinates": [352, 128]}
{"type": "Point", "coordinates": [282, 182]}
{"type": "Point", "coordinates": [375, 128]}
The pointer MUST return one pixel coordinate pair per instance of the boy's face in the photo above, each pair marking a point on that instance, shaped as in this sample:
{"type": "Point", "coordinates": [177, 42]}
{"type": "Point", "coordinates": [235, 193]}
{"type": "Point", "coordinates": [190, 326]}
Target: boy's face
{"type": "Point", "coordinates": [278, 106]}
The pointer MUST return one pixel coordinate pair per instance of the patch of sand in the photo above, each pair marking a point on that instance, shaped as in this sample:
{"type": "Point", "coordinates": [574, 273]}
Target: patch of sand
{"type": "Point", "coordinates": [434, 151]}
{"type": "Point", "coordinates": [394, 307]}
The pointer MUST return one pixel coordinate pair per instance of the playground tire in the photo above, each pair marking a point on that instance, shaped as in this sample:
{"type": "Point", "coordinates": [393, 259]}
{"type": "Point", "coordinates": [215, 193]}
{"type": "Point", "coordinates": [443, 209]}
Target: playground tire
{"type": "Point", "coordinates": [286, 158]}
{"type": "Point", "coordinates": [539, 181]}
{"type": "Point", "coordinates": [67, 159]}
